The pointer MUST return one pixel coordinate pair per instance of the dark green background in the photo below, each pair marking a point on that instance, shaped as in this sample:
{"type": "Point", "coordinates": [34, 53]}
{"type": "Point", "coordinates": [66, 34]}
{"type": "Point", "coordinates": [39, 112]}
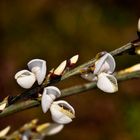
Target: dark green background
{"type": "Point", "coordinates": [55, 30]}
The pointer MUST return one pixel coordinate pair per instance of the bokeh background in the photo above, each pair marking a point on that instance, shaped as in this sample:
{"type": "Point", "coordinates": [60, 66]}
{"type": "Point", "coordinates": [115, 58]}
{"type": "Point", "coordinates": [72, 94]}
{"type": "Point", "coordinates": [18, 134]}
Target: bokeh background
{"type": "Point", "coordinates": [55, 30]}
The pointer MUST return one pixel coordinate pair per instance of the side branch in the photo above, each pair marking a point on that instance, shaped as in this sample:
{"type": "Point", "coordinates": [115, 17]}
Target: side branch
{"type": "Point", "coordinates": [66, 92]}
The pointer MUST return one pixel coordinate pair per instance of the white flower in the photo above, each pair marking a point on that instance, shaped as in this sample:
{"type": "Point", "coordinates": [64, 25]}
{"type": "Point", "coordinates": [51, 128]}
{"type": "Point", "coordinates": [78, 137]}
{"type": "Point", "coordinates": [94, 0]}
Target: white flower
{"type": "Point", "coordinates": [105, 64]}
{"type": "Point", "coordinates": [107, 83]}
{"type": "Point", "coordinates": [104, 67]}
{"type": "Point", "coordinates": [38, 67]}
{"type": "Point", "coordinates": [26, 79]}
{"type": "Point", "coordinates": [49, 95]}
{"type": "Point", "coordinates": [62, 112]}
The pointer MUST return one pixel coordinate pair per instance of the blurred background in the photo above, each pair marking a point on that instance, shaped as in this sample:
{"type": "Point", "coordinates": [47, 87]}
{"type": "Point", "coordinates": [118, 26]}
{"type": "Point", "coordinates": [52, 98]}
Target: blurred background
{"type": "Point", "coordinates": [56, 30]}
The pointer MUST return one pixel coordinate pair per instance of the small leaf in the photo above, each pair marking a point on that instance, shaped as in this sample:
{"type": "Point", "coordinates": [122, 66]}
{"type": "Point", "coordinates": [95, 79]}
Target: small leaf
{"type": "Point", "coordinates": [25, 78]}
{"type": "Point", "coordinates": [46, 101]}
{"type": "Point", "coordinates": [39, 68]}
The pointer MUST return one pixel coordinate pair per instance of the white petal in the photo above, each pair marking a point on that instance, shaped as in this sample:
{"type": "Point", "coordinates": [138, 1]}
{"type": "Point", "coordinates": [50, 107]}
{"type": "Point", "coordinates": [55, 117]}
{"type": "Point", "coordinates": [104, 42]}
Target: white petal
{"type": "Point", "coordinates": [59, 70]}
{"type": "Point", "coordinates": [61, 115]}
{"type": "Point", "coordinates": [38, 67]}
{"type": "Point", "coordinates": [46, 101]}
{"type": "Point", "coordinates": [25, 78]}
{"type": "Point", "coordinates": [53, 91]}
{"type": "Point", "coordinates": [74, 59]}
{"type": "Point", "coordinates": [105, 64]}
{"type": "Point", "coordinates": [107, 83]}
{"type": "Point", "coordinates": [4, 131]}
{"type": "Point", "coordinates": [54, 128]}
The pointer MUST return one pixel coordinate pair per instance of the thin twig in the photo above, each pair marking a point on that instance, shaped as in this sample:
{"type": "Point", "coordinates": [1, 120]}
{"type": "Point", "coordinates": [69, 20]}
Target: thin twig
{"type": "Point", "coordinates": [66, 92]}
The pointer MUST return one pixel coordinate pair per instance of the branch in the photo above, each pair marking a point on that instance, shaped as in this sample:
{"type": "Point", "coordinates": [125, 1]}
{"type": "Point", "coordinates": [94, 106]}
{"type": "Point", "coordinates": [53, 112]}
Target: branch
{"type": "Point", "coordinates": [66, 92]}
{"type": "Point", "coordinates": [124, 49]}
{"type": "Point", "coordinates": [129, 47]}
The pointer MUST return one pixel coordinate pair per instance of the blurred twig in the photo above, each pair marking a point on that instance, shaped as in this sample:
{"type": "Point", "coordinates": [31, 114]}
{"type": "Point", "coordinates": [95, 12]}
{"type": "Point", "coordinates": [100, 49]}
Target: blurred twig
{"type": "Point", "coordinates": [66, 92]}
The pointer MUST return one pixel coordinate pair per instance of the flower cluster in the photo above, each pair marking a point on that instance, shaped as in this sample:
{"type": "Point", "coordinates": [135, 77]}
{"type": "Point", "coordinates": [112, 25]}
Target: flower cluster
{"type": "Point", "coordinates": [61, 111]}
{"type": "Point", "coordinates": [101, 73]}
{"type": "Point", "coordinates": [26, 79]}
